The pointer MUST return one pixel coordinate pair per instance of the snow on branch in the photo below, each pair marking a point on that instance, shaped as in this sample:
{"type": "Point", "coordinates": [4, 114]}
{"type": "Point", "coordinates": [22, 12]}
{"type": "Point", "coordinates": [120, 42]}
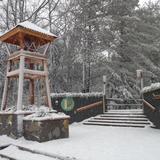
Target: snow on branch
{"type": "Point", "coordinates": [152, 87]}
{"type": "Point", "coordinates": [93, 94]}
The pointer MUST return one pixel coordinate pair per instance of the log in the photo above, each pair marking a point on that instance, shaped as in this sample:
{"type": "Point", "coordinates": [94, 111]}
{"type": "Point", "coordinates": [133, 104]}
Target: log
{"type": "Point", "coordinates": [149, 105]}
{"type": "Point", "coordinates": [90, 106]}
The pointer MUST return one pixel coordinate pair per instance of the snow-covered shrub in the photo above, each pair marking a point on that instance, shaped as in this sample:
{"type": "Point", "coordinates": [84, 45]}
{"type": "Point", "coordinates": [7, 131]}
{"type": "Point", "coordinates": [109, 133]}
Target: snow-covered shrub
{"type": "Point", "coordinates": [92, 94]}
{"type": "Point", "coordinates": [152, 87]}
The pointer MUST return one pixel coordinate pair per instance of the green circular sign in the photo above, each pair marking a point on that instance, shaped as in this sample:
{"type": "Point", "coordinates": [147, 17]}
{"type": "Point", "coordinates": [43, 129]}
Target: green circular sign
{"type": "Point", "coordinates": [67, 104]}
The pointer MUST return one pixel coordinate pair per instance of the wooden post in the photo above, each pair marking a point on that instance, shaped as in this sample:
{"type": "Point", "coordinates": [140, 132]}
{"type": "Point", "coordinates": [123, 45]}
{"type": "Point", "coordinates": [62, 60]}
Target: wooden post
{"type": "Point", "coordinates": [84, 77]}
{"type": "Point", "coordinates": [47, 86]}
{"type": "Point", "coordinates": [5, 90]}
{"type": "Point", "coordinates": [142, 85]}
{"type": "Point", "coordinates": [45, 51]}
{"type": "Point", "coordinates": [20, 85]}
{"type": "Point", "coordinates": [8, 52]}
{"type": "Point", "coordinates": [140, 77]}
{"type": "Point", "coordinates": [31, 91]}
{"type": "Point", "coordinates": [31, 86]}
{"type": "Point", "coordinates": [104, 94]}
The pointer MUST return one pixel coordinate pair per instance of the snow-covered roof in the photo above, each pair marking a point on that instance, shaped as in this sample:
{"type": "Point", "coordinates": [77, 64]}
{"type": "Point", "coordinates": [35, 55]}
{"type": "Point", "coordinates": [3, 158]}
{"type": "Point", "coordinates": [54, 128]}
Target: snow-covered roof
{"type": "Point", "coordinates": [33, 27]}
{"type": "Point", "coordinates": [30, 31]}
{"type": "Point", "coordinates": [152, 87]}
{"type": "Point", "coordinates": [92, 94]}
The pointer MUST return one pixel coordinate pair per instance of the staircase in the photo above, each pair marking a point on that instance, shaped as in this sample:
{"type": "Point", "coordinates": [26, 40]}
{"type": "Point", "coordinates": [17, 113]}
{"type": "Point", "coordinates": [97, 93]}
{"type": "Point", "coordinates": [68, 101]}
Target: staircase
{"type": "Point", "coordinates": [120, 118]}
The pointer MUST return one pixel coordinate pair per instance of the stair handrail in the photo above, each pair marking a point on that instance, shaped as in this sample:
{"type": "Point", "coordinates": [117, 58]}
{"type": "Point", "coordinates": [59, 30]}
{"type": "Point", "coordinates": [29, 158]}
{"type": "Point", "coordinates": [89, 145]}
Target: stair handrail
{"type": "Point", "coordinates": [116, 99]}
{"type": "Point", "coordinates": [90, 106]}
{"type": "Point", "coordinates": [149, 105]}
{"type": "Point", "coordinates": [127, 104]}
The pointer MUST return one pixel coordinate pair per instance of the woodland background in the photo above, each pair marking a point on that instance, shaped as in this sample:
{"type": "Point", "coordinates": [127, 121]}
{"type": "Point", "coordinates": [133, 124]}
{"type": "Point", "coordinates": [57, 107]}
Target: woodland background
{"type": "Point", "coordinates": [96, 38]}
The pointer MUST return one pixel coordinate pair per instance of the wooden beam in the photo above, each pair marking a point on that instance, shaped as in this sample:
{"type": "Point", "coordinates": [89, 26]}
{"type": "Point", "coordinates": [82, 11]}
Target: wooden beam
{"type": "Point", "coordinates": [8, 52]}
{"type": "Point", "coordinates": [5, 90]}
{"type": "Point", "coordinates": [9, 34]}
{"type": "Point", "coordinates": [13, 73]}
{"type": "Point", "coordinates": [46, 37]}
{"type": "Point", "coordinates": [21, 40]}
{"type": "Point", "coordinates": [12, 38]}
{"type": "Point", "coordinates": [33, 61]}
{"type": "Point", "coordinates": [32, 77]}
{"type": "Point", "coordinates": [47, 86]}
{"type": "Point", "coordinates": [32, 56]}
{"type": "Point", "coordinates": [35, 72]}
{"type": "Point", "coordinates": [45, 51]}
{"type": "Point", "coordinates": [31, 87]}
{"type": "Point", "coordinates": [20, 85]}
{"type": "Point", "coordinates": [37, 54]}
{"type": "Point", "coordinates": [15, 54]}
{"type": "Point", "coordinates": [31, 91]}
{"type": "Point", "coordinates": [90, 106]}
{"type": "Point", "coordinates": [146, 104]}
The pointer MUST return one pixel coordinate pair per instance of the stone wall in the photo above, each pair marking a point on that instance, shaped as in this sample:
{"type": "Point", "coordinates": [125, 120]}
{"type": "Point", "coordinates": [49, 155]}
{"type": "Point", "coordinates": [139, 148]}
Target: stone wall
{"type": "Point", "coordinates": [11, 124]}
{"type": "Point", "coordinates": [46, 130]}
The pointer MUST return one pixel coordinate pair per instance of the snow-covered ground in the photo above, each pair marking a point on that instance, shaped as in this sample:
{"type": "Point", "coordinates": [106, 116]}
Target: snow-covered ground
{"type": "Point", "coordinates": [100, 143]}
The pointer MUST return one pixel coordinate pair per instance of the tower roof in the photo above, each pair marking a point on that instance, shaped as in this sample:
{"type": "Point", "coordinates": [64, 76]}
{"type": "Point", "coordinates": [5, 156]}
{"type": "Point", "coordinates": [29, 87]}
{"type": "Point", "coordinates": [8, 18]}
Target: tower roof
{"type": "Point", "coordinates": [27, 32]}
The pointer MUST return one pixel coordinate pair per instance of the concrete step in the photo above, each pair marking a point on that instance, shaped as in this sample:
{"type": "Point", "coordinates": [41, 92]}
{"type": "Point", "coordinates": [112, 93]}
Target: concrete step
{"type": "Point", "coordinates": [121, 118]}
{"type": "Point", "coordinates": [126, 110]}
{"type": "Point", "coordinates": [124, 116]}
{"type": "Point", "coordinates": [114, 124]}
{"type": "Point", "coordinates": [123, 113]}
{"type": "Point", "coordinates": [120, 121]}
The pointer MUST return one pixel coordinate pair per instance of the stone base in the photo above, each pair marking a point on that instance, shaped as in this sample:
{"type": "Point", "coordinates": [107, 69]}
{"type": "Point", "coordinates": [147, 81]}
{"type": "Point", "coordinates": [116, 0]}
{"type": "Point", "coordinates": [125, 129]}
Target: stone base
{"type": "Point", "coordinates": [11, 124]}
{"type": "Point", "coordinates": [45, 130]}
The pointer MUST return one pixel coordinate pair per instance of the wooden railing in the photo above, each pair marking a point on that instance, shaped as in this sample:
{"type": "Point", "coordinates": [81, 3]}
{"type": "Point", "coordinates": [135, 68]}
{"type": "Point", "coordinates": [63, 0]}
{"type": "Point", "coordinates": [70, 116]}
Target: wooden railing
{"type": "Point", "coordinates": [149, 105]}
{"type": "Point", "coordinates": [90, 106]}
{"type": "Point", "coordinates": [152, 113]}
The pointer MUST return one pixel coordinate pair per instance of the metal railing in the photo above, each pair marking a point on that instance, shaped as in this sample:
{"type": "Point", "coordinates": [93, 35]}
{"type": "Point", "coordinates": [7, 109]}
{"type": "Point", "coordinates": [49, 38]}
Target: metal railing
{"type": "Point", "coordinates": [118, 103]}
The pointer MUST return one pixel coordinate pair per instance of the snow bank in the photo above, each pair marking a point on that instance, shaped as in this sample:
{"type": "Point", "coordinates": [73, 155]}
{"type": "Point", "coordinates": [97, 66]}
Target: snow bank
{"type": "Point", "coordinates": [99, 143]}
{"type": "Point", "coordinates": [47, 116]}
{"type": "Point", "coordinates": [13, 151]}
{"type": "Point", "coordinates": [152, 87]}
{"type": "Point", "coordinates": [69, 94]}
{"type": "Point", "coordinates": [44, 113]}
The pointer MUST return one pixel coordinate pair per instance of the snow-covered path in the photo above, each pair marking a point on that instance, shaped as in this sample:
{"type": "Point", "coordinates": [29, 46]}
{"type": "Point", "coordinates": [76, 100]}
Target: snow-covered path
{"type": "Point", "coordinates": [101, 143]}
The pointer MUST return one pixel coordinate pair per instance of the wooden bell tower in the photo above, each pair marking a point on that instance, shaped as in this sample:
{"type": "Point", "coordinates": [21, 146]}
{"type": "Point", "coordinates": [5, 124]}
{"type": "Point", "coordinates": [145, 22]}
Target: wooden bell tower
{"type": "Point", "coordinates": [27, 60]}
